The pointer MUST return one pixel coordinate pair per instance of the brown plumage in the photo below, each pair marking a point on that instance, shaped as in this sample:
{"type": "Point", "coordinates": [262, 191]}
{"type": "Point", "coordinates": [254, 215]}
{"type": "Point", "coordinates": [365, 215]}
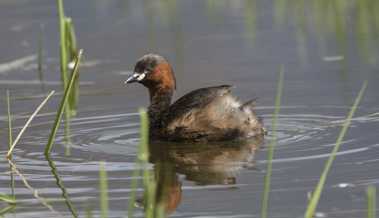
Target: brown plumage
{"type": "Point", "coordinates": [206, 114]}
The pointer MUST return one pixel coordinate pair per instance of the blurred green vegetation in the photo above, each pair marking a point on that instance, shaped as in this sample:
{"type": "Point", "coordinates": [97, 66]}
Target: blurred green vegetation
{"type": "Point", "coordinates": [68, 54]}
{"type": "Point", "coordinates": [152, 208]}
{"type": "Point", "coordinates": [334, 19]}
{"type": "Point", "coordinates": [329, 21]}
{"type": "Point", "coordinates": [333, 23]}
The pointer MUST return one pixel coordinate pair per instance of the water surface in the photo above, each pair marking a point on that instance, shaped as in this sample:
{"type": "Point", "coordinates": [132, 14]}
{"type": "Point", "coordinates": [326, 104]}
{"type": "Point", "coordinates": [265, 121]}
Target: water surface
{"type": "Point", "coordinates": [208, 43]}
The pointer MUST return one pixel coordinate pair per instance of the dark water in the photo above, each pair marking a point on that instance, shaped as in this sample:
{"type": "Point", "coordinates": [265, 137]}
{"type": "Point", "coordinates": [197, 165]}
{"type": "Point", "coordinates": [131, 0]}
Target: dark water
{"type": "Point", "coordinates": [243, 43]}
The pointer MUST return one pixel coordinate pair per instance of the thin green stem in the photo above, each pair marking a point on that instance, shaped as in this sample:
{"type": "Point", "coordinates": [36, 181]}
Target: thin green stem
{"type": "Point", "coordinates": [64, 63]}
{"type": "Point", "coordinates": [62, 105]}
{"type": "Point", "coordinates": [309, 213]}
{"type": "Point", "coordinates": [62, 34]}
{"type": "Point", "coordinates": [104, 207]}
{"type": "Point", "coordinates": [27, 124]}
{"type": "Point", "coordinates": [270, 154]}
{"type": "Point", "coordinates": [10, 137]}
{"type": "Point", "coordinates": [142, 161]}
{"type": "Point", "coordinates": [143, 153]}
{"type": "Point", "coordinates": [371, 202]}
{"type": "Point", "coordinates": [7, 199]}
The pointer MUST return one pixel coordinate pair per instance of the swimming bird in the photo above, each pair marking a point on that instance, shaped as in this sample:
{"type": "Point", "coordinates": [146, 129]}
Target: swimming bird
{"type": "Point", "coordinates": [203, 115]}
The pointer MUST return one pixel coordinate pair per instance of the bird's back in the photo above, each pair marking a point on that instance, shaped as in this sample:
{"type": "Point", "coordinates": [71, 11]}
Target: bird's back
{"type": "Point", "coordinates": [211, 114]}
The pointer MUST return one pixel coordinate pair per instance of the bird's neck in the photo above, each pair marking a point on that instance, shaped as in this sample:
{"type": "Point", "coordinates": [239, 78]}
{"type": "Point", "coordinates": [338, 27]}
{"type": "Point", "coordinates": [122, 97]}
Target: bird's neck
{"type": "Point", "coordinates": [160, 100]}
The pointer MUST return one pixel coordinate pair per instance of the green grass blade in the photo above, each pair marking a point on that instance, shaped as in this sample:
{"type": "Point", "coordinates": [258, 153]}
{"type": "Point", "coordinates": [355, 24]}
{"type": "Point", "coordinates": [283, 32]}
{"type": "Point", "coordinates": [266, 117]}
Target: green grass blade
{"type": "Point", "coordinates": [371, 202]}
{"type": "Point", "coordinates": [8, 199]}
{"type": "Point", "coordinates": [103, 191]}
{"type": "Point", "coordinates": [72, 50]}
{"type": "Point", "coordinates": [143, 155]}
{"type": "Point", "coordinates": [64, 65]}
{"type": "Point", "coordinates": [143, 152]}
{"type": "Point", "coordinates": [270, 154]}
{"type": "Point", "coordinates": [150, 186]}
{"type": "Point", "coordinates": [62, 105]}
{"type": "Point", "coordinates": [71, 42]}
{"type": "Point", "coordinates": [142, 160]}
{"type": "Point", "coordinates": [62, 35]}
{"type": "Point", "coordinates": [28, 123]}
{"type": "Point", "coordinates": [312, 205]}
{"type": "Point", "coordinates": [10, 137]}
{"type": "Point", "coordinates": [71, 107]}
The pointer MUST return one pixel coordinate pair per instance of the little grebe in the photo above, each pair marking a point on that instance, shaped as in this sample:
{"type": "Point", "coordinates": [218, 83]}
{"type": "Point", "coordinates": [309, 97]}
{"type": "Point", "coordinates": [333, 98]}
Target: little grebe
{"type": "Point", "coordinates": [206, 114]}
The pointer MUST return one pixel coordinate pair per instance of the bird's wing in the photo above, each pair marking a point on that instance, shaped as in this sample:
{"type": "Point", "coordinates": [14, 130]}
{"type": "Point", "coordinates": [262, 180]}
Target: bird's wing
{"type": "Point", "coordinates": [198, 98]}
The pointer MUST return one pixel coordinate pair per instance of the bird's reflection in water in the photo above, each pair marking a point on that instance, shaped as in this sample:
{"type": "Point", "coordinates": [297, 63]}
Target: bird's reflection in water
{"type": "Point", "coordinates": [204, 164]}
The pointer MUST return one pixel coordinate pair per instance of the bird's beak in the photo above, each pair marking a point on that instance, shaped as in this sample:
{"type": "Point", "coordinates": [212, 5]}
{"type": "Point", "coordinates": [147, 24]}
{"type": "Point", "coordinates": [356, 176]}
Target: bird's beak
{"type": "Point", "coordinates": [136, 77]}
{"type": "Point", "coordinates": [133, 78]}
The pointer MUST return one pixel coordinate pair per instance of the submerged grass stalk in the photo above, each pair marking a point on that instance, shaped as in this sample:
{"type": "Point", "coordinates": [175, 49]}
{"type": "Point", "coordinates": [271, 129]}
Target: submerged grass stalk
{"type": "Point", "coordinates": [27, 124]}
{"type": "Point", "coordinates": [59, 183]}
{"type": "Point", "coordinates": [43, 201]}
{"type": "Point", "coordinates": [309, 213]}
{"type": "Point", "coordinates": [10, 140]}
{"type": "Point", "coordinates": [63, 105]}
{"type": "Point", "coordinates": [7, 209]}
{"type": "Point", "coordinates": [270, 154]}
{"type": "Point", "coordinates": [104, 207]}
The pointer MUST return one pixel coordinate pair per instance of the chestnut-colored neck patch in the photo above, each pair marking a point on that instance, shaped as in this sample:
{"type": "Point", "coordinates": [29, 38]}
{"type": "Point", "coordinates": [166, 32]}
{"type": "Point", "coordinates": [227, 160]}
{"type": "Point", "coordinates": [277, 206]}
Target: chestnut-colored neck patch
{"type": "Point", "coordinates": [164, 76]}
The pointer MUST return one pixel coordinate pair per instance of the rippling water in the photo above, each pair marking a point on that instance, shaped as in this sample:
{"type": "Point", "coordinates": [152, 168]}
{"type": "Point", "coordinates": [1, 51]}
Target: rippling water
{"type": "Point", "coordinates": [226, 172]}
{"type": "Point", "coordinates": [215, 47]}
